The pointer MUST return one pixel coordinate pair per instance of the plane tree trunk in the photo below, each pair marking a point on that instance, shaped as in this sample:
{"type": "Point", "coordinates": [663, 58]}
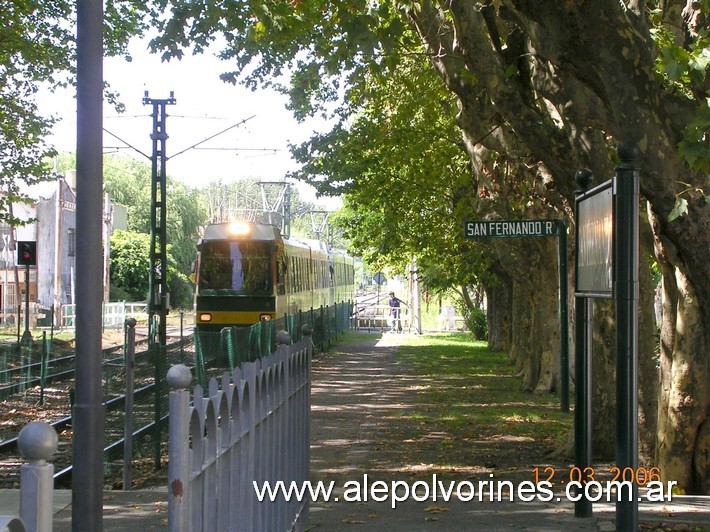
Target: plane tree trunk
{"type": "Point", "coordinates": [553, 85]}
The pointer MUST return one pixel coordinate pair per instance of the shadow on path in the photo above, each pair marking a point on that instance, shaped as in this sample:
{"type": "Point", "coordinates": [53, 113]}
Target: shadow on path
{"type": "Point", "coordinates": [363, 397]}
{"type": "Point", "coordinates": [359, 393]}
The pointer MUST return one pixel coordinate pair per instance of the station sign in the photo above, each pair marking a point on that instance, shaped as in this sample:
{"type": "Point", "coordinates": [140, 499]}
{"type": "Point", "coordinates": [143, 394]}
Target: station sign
{"type": "Point", "coordinates": [594, 264]}
{"type": "Point", "coordinates": [511, 228]}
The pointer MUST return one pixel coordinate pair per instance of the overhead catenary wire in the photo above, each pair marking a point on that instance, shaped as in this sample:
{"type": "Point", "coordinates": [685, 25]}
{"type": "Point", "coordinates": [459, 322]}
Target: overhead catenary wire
{"type": "Point", "coordinates": [126, 143]}
{"type": "Point", "coordinates": [213, 136]}
{"type": "Point", "coordinates": [195, 146]}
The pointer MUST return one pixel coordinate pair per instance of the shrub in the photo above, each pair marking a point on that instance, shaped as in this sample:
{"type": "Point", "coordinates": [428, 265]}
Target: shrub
{"type": "Point", "coordinates": [477, 323]}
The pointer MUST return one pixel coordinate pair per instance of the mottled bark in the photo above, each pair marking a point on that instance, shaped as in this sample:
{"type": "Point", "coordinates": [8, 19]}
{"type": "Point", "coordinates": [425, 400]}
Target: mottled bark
{"type": "Point", "coordinates": [603, 381]}
{"type": "Point", "coordinates": [534, 346]}
{"type": "Point", "coordinates": [551, 83]}
{"type": "Point", "coordinates": [500, 302]}
{"type": "Point", "coordinates": [682, 443]}
{"type": "Point", "coordinates": [648, 362]}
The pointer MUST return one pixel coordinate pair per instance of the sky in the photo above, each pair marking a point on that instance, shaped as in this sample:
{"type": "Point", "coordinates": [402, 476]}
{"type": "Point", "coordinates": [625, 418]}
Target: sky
{"type": "Point", "coordinates": [205, 106]}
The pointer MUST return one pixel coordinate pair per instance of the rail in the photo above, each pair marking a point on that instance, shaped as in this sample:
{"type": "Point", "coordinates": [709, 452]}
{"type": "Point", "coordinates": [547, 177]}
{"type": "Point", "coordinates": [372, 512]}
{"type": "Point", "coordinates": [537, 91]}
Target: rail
{"type": "Point", "coordinates": [151, 425]}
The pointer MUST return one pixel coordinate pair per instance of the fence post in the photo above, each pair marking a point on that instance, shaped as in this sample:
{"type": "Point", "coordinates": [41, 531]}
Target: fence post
{"type": "Point", "coordinates": [38, 441]}
{"type": "Point", "coordinates": [43, 361]}
{"type": "Point", "coordinates": [130, 358]}
{"type": "Point", "coordinates": [182, 344]}
{"type": "Point", "coordinates": [306, 444]}
{"type": "Point", "coordinates": [179, 378]}
{"type": "Point", "coordinates": [282, 453]}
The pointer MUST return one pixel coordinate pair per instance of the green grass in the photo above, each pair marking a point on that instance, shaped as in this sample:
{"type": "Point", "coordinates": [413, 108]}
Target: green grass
{"type": "Point", "coordinates": [474, 389]}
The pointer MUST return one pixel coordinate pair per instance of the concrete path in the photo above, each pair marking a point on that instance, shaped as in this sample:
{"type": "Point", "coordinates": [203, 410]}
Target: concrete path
{"type": "Point", "coordinates": [357, 390]}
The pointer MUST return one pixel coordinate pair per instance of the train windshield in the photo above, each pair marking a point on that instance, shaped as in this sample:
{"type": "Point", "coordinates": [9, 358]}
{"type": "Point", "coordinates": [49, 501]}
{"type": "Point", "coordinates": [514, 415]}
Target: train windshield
{"type": "Point", "coordinates": [236, 268]}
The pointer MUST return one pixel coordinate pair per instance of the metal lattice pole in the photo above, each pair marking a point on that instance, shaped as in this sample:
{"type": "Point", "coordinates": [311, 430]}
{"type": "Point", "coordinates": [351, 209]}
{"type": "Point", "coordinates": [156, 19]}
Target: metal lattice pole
{"type": "Point", "coordinates": [157, 280]}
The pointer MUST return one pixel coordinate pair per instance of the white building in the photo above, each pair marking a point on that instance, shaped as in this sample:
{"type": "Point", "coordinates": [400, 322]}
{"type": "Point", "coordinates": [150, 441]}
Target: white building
{"type": "Point", "coordinates": [12, 277]}
{"type": "Point", "coordinates": [52, 281]}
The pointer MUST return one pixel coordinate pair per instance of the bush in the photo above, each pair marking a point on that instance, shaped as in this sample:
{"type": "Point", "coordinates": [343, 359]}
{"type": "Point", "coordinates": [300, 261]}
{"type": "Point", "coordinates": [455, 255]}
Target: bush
{"type": "Point", "coordinates": [477, 323]}
{"type": "Point", "coordinates": [117, 293]}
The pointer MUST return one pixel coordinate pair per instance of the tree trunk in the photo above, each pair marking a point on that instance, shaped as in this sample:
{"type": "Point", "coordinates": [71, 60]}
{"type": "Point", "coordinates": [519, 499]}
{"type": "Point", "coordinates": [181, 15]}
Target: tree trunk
{"type": "Point", "coordinates": [499, 315]}
{"type": "Point", "coordinates": [604, 381]}
{"type": "Point", "coordinates": [550, 81]}
{"type": "Point", "coordinates": [648, 362]}
{"type": "Point", "coordinates": [683, 438]}
{"type": "Point", "coordinates": [534, 320]}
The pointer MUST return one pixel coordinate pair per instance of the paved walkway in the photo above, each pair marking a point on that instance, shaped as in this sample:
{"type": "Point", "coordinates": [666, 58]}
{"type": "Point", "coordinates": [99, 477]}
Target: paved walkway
{"type": "Point", "coordinates": [356, 389]}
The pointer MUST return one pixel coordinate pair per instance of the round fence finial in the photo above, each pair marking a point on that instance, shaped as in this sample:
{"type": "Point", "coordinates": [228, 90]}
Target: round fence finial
{"type": "Point", "coordinates": [38, 441]}
{"type": "Point", "coordinates": [307, 329]}
{"type": "Point", "coordinates": [131, 322]}
{"type": "Point", "coordinates": [628, 151]}
{"type": "Point", "coordinates": [179, 377]}
{"type": "Point", "coordinates": [283, 338]}
{"type": "Point", "coordinates": [584, 178]}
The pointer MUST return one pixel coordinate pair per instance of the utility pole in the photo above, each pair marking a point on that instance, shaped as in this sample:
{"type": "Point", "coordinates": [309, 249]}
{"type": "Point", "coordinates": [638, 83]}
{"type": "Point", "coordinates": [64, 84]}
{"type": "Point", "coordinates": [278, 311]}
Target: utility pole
{"type": "Point", "coordinates": [88, 411]}
{"type": "Point", "coordinates": [157, 280]}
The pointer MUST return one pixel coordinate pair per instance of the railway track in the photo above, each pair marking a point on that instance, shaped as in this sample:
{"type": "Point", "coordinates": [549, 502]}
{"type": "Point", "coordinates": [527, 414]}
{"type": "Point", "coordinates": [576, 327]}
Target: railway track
{"type": "Point", "coordinates": [22, 407]}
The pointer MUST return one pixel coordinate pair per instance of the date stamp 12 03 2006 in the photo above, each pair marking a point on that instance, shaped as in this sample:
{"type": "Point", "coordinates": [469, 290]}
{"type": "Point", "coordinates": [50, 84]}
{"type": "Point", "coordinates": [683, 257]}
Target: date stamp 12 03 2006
{"type": "Point", "coordinates": [591, 484]}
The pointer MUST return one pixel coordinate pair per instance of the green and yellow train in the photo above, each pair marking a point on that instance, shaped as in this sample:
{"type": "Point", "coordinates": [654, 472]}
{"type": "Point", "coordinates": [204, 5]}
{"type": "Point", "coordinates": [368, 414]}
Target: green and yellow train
{"type": "Point", "coordinates": [246, 273]}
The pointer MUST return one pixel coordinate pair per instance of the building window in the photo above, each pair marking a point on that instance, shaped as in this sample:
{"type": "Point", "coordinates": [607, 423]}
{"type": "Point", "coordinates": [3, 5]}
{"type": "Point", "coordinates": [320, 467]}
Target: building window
{"type": "Point", "coordinates": [71, 242]}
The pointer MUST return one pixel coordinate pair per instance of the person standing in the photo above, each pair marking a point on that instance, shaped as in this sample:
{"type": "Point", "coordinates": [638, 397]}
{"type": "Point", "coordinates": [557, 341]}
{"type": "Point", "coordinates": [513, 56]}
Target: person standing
{"type": "Point", "coordinates": [395, 312]}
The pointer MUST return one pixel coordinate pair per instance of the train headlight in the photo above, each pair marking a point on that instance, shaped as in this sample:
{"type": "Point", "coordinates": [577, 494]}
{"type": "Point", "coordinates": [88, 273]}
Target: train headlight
{"type": "Point", "coordinates": [239, 229]}
{"type": "Point", "coordinates": [205, 317]}
{"type": "Point", "coordinates": [265, 317]}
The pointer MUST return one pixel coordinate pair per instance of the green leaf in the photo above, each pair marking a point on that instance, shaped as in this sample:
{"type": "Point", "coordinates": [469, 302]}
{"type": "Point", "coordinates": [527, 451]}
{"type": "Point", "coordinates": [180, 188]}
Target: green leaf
{"type": "Point", "coordinates": [679, 209]}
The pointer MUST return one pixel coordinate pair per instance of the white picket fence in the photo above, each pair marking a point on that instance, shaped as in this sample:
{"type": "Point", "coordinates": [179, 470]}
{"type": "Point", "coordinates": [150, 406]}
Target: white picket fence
{"type": "Point", "coordinates": [114, 314]}
{"type": "Point", "coordinates": [253, 427]}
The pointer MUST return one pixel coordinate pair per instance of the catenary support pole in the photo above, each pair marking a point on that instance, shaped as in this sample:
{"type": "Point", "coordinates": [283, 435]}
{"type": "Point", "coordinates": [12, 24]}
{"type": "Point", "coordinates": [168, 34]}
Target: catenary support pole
{"type": "Point", "coordinates": [88, 414]}
{"type": "Point", "coordinates": [158, 300]}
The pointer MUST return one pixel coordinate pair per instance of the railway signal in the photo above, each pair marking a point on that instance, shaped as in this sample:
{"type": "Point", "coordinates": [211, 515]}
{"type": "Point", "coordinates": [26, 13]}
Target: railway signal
{"type": "Point", "coordinates": [27, 253]}
{"type": "Point", "coordinates": [27, 256]}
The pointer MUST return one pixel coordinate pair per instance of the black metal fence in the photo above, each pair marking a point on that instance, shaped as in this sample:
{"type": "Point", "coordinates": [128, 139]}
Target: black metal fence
{"type": "Point", "coordinates": [39, 365]}
{"type": "Point", "coordinates": [231, 346]}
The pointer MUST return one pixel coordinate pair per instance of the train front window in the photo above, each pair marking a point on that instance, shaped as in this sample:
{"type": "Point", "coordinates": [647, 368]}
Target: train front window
{"type": "Point", "coordinates": [236, 268]}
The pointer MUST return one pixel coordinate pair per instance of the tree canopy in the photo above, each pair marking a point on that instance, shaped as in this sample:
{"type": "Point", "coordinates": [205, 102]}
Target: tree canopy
{"type": "Point", "coordinates": [37, 49]}
{"type": "Point", "coordinates": [541, 91]}
{"type": "Point", "coordinates": [536, 90]}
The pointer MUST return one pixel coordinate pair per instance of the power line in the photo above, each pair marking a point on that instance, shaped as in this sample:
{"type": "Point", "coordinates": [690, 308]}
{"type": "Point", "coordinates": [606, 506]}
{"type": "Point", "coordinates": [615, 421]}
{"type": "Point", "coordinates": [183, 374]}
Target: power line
{"type": "Point", "coordinates": [126, 143]}
{"type": "Point", "coordinates": [213, 136]}
{"type": "Point", "coordinates": [274, 150]}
